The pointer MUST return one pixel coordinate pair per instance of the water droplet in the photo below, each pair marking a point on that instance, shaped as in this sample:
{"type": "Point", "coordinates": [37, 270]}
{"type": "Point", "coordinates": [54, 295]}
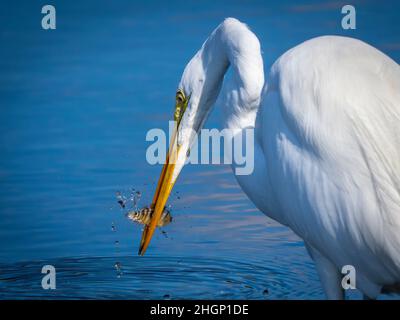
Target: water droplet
{"type": "Point", "coordinates": [136, 198]}
{"type": "Point", "coordinates": [164, 233]}
{"type": "Point", "coordinates": [265, 292]}
{"type": "Point", "coordinates": [117, 267]}
{"type": "Point", "coordinates": [121, 200]}
{"type": "Point", "coordinates": [113, 228]}
{"type": "Point", "coordinates": [116, 242]}
{"type": "Point", "coordinates": [167, 296]}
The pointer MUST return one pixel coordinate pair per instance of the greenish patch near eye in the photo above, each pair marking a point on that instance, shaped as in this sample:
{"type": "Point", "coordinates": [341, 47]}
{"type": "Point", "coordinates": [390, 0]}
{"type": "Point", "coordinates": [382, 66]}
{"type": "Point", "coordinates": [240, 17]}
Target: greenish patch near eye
{"type": "Point", "coordinates": [181, 103]}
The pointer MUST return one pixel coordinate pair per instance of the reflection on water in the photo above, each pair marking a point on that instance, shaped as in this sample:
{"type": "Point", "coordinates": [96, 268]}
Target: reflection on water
{"type": "Point", "coordinates": [160, 277]}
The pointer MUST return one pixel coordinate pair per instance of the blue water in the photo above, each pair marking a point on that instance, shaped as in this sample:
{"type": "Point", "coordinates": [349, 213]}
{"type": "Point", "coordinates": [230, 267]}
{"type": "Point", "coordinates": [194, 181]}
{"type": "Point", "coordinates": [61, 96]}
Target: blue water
{"type": "Point", "coordinates": [75, 105]}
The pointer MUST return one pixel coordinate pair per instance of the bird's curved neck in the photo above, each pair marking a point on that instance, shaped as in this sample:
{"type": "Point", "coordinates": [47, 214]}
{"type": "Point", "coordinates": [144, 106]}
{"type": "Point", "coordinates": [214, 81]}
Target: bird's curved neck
{"type": "Point", "coordinates": [233, 44]}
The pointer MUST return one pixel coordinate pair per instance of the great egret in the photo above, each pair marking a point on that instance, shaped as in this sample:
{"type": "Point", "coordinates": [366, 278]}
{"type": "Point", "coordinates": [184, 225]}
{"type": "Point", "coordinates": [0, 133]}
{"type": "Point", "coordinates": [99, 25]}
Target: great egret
{"type": "Point", "coordinates": [327, 145]}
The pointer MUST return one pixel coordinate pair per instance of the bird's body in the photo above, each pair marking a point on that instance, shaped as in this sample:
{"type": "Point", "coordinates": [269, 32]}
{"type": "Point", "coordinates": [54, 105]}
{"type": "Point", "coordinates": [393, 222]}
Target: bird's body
{"type": "Point", "coordinates": [329, 130]}
{"type": "Point", "coordinates": [327, 144]}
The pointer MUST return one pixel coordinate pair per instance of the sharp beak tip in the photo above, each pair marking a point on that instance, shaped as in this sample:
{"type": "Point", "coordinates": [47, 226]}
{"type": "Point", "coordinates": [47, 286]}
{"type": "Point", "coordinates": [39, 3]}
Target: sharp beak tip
{"type": "Point", "coordinates": [142, 250]}
{"type": "Point", "coordinates": [143, 246]}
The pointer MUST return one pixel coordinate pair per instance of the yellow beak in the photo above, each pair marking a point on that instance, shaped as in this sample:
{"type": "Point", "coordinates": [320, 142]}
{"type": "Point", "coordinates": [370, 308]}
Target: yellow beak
{"type": "Point", "coordinates": [164, 188]}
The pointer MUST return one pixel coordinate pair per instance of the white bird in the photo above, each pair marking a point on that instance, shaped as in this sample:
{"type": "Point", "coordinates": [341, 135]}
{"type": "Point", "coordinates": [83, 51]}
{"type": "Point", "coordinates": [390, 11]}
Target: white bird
{"type": "Point", "coordinates": [327, 145]}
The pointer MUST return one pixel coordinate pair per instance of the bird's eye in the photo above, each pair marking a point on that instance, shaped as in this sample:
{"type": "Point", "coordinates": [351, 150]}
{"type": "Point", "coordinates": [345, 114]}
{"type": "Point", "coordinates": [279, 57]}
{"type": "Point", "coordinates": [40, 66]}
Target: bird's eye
{"type": "Point", "coordinates": [180, 106]}
{"type": "Point", "coordinates": [180, 97]}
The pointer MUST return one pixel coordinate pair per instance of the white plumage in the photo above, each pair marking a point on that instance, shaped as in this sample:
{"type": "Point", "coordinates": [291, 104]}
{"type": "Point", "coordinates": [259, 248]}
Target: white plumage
{"type": "Point", "coordinates": [327, 146]}
{"type": "Point", "coordinates": [331, 139]}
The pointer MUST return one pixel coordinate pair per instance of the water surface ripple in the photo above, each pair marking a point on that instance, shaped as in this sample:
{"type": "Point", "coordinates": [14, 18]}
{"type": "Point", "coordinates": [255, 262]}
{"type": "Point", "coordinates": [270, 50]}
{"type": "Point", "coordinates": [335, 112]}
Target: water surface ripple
{"type": "Point", "coordinates": [158, 278]}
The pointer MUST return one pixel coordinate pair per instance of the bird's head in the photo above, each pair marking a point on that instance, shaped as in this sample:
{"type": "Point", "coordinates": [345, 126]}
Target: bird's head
{"type": "Point", "coordinates": [231, 43]}
{"type": "Point", "coordinates": [196, 94]}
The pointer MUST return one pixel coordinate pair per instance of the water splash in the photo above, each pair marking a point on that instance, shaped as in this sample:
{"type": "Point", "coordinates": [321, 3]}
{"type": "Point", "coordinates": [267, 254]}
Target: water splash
{"type": "Point", "coordinates": [118, 268]}
{"type": "Point", "coordinates": [121, 199]}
